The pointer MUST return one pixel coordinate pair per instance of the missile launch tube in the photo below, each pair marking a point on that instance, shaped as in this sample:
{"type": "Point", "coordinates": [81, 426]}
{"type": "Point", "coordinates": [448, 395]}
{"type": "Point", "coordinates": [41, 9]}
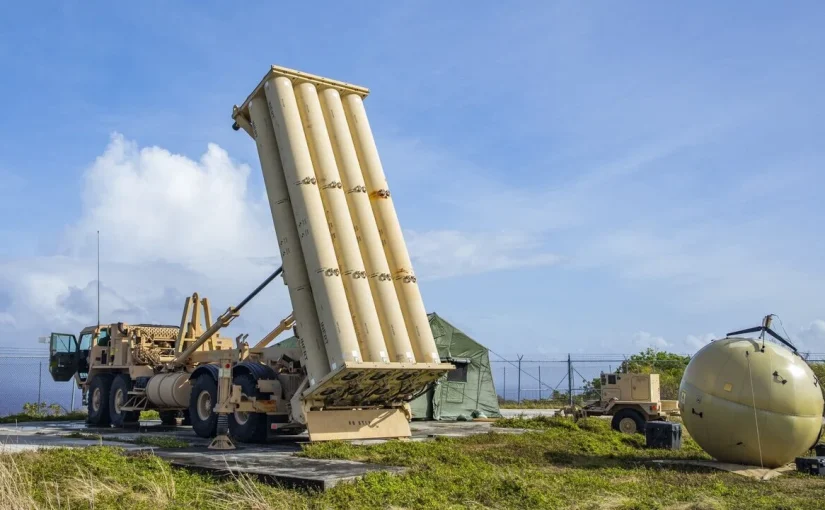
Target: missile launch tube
{"type": "Point", "coordinates": [322, 266]}
{"type": "Point", "coordinates": [295, 271]}
{"type": "Point", "coordinates": [409, 295]}
{"type": "Point", "coordinates": [369, 240]}
{"type": "Point", "coordinates": [354, 276]}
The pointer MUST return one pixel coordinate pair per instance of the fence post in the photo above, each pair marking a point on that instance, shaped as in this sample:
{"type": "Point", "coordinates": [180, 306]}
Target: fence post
{"type": "Point", "coordinates": [539, 382]}
{"type": "Point", "coordinates": [39, 383]}
{"type": "Point", "coordinates": [518, 395]}
{"type": "Point", "coordinates": [73, 392]}
{"type": "Point", "coordinates": [570, 380]}
{"type": "Point", "coordinates": [504, 383]}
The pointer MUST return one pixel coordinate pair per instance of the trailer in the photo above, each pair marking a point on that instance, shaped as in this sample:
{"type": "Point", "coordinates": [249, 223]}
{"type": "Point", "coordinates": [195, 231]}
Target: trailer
{"type": "Point", "coordinates": [365, 346]}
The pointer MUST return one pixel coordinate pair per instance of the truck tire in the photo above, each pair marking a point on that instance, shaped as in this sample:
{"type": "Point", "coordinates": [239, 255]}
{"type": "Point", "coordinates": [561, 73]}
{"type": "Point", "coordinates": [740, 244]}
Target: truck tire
{"type": "Point", "coordinates": [201, 403]}
{"type": "Point", "coordinates": [247, 427]}
{"type": "Point", "coordinates": [168, 417]}
{"type": "Point", "coordinates": [119, 395]}
{"type": "Point", "coordinates": [628, 421]}
{"type": "Point", "coordinates": [99, 400]}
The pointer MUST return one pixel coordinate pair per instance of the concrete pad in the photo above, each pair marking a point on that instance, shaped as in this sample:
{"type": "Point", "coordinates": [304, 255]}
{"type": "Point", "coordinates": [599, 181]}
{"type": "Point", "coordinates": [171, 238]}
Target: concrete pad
{"type": "Point", "coordinates": [755, 472]}
{"type": "Point", "coordinates": [270, 465]}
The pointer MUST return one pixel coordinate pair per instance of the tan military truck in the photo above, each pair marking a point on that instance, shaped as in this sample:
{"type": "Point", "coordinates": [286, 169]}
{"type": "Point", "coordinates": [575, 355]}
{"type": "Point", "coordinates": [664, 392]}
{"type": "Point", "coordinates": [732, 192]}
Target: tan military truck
{"type": "Point", "coordinates": [631, 399]}
{"type": "Point", "coordinates": [115, 363]}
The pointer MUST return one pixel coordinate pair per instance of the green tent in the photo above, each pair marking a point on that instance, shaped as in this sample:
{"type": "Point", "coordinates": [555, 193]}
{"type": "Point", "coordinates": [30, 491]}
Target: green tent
{"type": "Point", "coordinates": [464, 392]}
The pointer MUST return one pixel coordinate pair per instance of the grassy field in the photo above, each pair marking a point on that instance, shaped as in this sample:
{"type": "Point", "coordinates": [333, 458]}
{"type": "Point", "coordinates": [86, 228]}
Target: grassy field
{"type": "Point", "coordinates": [70, 416]}
{"type": "Point", "coordinates": [532, 404]}
{"type": "Point", "coordinates": [23, 417]}
{"type": "Point", "coordinates": [557, 465]}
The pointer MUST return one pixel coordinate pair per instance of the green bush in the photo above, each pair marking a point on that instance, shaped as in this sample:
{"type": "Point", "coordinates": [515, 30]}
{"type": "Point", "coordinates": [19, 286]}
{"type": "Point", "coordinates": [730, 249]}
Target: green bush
{"type": "Point", "coordinates": [34, 411]}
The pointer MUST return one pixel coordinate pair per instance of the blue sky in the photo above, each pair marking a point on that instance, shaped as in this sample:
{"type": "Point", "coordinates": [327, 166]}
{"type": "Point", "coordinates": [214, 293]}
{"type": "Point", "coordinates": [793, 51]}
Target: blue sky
{"type": "Point", "coordinates": [585, 177]}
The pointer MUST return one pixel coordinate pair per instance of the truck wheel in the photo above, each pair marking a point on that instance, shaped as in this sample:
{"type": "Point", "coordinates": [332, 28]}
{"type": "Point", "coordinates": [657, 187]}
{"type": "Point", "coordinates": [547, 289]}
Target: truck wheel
{"type": "Point", "coordinates": [628, 421]}
{"type": "Point", "coordinates": [201, 403]}
{"type": "Point", "coordinates": [99, 400]}
{"type": "Point", "coordinates": [118, 395]}
{"type": "Point", "coordinates": [247, 427]}
{"type": "Point", "coordinates": [168, 417]}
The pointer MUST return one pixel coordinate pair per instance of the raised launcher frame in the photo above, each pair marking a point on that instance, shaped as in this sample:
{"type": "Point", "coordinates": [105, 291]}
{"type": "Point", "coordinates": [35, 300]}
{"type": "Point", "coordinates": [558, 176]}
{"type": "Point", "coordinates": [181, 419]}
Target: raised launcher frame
{"type": "Point", "coordinates": [356, 399]}
{"type": "Point", "coordinates": [367, 400]}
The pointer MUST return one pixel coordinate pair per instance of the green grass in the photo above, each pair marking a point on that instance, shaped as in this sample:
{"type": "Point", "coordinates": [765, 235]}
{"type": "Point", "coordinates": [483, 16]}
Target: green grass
{"type": "Point", "coordinates": [71, 416]}
{"type": "Point", "coordinates": [532, 404]}
{"type": "Point", "coordinates": [22, 417]}
{"type": "Point", "coordinates": [558, 464]}
{"type": "Point", "coordinates": [83, 435]}
{"type": "Point", "coordinates": [159, 441]}
{"type": "Point", "coordinates": [149, 415]}
{"type": "Point", "coordinates": [541, 422]}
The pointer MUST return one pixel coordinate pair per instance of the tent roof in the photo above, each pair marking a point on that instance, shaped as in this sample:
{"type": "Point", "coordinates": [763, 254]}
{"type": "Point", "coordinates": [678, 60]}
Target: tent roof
{"type": "Point", "coordinates": [289, 343]}
{"type": "Point", "coordinates": [451, 341]}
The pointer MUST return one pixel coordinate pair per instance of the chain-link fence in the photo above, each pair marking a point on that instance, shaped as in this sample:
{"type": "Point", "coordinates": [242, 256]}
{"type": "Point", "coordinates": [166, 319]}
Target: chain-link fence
{"type": "Point", "coordinates": [574, 378]}
{"type": "Point", "coordinates": [26, 379]}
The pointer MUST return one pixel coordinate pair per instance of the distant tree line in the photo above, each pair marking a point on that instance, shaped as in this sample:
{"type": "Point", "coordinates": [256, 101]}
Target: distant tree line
{"type": "Point", "coordinates": [668, 365]}
{"type": "Point", "coordinates": [670, 368]}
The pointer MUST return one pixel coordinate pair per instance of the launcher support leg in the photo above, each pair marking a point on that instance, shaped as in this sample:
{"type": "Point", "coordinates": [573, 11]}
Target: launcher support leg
{"type": "Point", "coordinates": [222, 440]}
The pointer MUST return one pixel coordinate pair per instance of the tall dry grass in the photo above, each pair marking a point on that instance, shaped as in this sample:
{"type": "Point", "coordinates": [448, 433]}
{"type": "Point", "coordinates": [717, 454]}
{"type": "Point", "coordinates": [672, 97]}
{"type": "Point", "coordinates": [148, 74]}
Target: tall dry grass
{"type": "Point", "coordinates": [15, 485]}
{"type": "Point", "coordinates": [31, 480]}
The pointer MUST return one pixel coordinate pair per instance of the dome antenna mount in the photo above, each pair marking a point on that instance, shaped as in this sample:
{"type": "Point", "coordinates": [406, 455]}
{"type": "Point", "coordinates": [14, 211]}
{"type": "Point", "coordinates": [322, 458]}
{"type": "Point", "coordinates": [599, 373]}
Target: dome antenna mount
{"type": "Point", "coordinates": [764, 328]}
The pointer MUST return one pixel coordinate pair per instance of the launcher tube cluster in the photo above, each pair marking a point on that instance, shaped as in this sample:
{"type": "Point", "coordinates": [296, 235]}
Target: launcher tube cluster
{"type": "Point", "coordinates": [352, 285]}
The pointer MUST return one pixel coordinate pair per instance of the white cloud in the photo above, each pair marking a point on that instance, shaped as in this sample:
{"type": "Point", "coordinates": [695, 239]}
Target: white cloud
{"type": "Point", "coordinates": [812, 336]}
{"type": "Point", "coordinates": [150, 204]}
{"type": "Point", "coordinates": [696, 342]}
{"type": "Point", "coordinates": [690, 344]}
{"type": "Point", "coordinates": [169, 226]}
{"type": "Point", "coordinates": [6, 319]}
{"type": "Point", "coordinates": [643, 340]}
{"type": "Point", "coordinates": [446, 253]}
{"type": "Point", "coordinates": [707, 268]}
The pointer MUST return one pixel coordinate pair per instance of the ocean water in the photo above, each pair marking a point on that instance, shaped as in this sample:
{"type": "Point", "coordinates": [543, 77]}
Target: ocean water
{"type": "Point", "coordinates": [25, 380]}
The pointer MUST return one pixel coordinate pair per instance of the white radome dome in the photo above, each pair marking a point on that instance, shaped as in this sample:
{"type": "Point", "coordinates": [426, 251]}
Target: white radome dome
{"type": "Point", "coordinates": [717, 402]}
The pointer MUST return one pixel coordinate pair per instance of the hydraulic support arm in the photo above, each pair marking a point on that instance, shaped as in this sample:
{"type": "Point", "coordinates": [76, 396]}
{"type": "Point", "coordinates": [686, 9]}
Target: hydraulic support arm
{"type": "Point", "coordinates": [221, 322]}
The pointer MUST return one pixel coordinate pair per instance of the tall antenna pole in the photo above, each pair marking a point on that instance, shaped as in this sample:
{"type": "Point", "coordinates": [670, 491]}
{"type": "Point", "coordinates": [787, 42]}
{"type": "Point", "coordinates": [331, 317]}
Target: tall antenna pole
{"type": "Point", "coordinates": [98, 278]}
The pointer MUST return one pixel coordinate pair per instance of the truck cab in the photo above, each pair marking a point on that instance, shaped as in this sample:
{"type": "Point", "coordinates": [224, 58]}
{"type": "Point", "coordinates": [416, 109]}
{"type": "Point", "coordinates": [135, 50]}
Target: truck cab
{"type": "Point", "coordinates": [69, 356]}
{"type": "Point", "coordinates": [100, 353]}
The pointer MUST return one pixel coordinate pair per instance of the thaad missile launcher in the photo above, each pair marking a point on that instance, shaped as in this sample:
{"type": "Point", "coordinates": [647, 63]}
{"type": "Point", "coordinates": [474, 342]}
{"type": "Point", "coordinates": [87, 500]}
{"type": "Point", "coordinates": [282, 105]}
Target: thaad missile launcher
{"type": "Point", "coordinates": [366, 348]}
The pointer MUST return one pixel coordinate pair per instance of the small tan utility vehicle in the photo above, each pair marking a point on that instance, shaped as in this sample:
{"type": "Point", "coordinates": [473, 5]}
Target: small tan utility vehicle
{"type": "Point", "coordinates": [631, 399]}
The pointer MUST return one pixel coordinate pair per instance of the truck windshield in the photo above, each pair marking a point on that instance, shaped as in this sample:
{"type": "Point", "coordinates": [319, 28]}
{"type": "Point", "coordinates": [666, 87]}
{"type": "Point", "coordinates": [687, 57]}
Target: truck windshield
{"type": "Point", "coordinates": [85, 341]}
